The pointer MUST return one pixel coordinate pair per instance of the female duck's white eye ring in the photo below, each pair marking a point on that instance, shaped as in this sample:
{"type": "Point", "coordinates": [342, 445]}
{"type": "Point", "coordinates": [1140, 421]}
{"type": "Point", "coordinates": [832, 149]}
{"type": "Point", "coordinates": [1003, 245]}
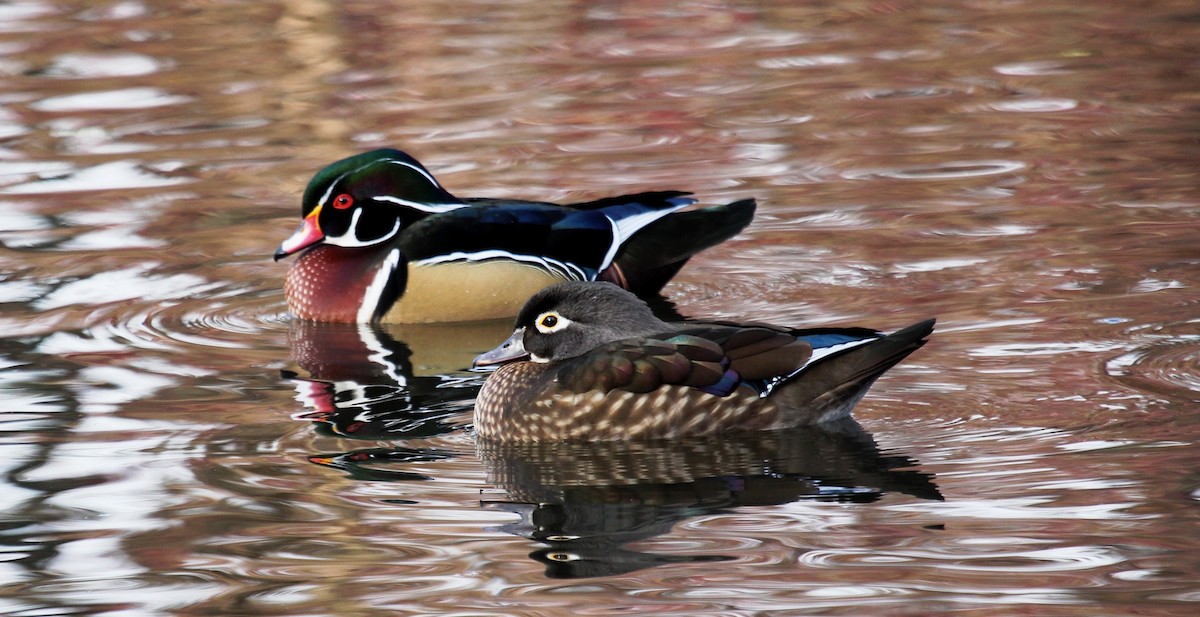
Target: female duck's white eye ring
{"type": "Point", "coordinates": [551, 321]}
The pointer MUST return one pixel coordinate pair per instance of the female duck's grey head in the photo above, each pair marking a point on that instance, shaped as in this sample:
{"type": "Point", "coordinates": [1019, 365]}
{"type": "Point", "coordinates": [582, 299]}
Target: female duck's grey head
{"type": "Point", "coordinates": [569, 319]}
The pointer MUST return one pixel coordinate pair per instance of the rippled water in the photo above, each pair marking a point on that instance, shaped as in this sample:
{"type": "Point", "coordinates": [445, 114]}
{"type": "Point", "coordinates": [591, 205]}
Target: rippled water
{"type": "Point", "coordinates": [1027, 172]}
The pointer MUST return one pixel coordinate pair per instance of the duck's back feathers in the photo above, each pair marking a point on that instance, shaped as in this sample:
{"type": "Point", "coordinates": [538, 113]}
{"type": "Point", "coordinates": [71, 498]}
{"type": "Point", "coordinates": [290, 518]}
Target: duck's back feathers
{"type": "Point", "coordinates": [644, 364]}
{"type": "Point", "coordinates": [620, 200]}
{"type": "Point", "coordinates": [756, 352]}
{"type": "Point", "coordinates": [581, 240]}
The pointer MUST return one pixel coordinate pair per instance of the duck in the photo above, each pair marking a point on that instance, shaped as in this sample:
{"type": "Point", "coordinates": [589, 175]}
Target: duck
{"type": "Point", "coordinates": [590, 361]}
{"type": "Point", "coordinates": [381, 241]}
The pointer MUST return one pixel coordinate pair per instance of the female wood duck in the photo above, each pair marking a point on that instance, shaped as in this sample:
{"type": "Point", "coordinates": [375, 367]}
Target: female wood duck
{"type": "Point", "coordinates": [601, 366]}
{"type": "Point", "coordinates": [383, 241]}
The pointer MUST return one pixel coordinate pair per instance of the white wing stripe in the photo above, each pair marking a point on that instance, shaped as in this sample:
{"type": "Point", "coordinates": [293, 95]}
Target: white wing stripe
{"type": "Point", "coordinates": [626, 227]}
{"type": "Point", "coordinates": [416, 205]}
{"type": "Point", "coordinates": [565, 269]}
{"type": "Point", "coordinates": [832, 349]}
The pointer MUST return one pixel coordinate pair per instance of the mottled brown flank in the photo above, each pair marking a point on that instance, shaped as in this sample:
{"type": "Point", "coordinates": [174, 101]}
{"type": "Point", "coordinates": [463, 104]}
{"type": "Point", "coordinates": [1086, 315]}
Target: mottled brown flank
{"type": "Point", "coordinates": [520, 403]}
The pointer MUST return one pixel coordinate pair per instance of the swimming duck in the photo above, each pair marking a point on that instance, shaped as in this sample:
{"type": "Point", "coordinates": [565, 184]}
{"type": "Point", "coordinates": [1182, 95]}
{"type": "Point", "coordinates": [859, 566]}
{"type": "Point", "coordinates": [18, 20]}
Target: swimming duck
{"type": "Point", "coordinates": [590, 361]}
{"type": "Point", "coordinates": [382, 241]}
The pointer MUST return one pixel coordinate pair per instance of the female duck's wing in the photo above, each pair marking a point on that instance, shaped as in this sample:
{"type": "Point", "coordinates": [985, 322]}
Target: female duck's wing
{"type": "Point", "coordinates": [716, 361]}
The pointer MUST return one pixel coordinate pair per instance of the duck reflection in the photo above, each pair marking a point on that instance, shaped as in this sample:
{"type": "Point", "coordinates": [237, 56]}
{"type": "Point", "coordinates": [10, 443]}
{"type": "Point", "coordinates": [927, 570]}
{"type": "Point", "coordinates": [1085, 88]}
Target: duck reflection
{"type": "Point", "coordinates": [388, 382]}
{"type": "Point", "coordinates": [371, 464]}
{"type": "Point", "coordinates": [587, 501]}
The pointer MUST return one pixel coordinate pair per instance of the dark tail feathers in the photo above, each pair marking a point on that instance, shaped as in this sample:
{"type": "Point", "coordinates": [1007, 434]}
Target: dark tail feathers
{"type": "Point", "coordinates": [656, 253]}
{"type": "Point", "coordinates": [831, 387]}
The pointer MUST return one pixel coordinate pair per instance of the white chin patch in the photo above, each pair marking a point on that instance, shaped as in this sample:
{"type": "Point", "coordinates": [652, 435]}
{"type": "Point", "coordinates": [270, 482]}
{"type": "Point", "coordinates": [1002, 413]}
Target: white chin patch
{"type": "Point", "coordinates": [536, 358]}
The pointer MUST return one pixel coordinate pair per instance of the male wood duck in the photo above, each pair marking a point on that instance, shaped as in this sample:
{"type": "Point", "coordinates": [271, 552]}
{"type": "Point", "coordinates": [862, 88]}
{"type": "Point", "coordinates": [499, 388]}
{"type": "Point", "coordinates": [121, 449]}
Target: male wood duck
{"type": "Point", "coordinates": [383, 241]}
{"type": "Point", "coordinates": [590, 361]}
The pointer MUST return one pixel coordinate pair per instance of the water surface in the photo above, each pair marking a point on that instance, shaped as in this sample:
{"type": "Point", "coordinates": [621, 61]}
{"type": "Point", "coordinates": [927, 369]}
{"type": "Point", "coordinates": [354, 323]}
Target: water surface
{"type": "Point", "coordinates": [175, 444]}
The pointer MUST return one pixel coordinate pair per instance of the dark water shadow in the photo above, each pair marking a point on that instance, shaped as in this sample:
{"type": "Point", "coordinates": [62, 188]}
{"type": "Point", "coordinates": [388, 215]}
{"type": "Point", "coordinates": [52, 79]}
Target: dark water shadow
{"type": "Point", "coordinates": [587, 501]}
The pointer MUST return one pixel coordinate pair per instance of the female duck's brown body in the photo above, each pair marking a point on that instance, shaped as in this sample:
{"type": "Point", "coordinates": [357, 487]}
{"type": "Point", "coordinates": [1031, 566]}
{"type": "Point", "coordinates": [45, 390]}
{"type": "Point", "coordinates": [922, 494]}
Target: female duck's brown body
{"type": "Point", "coordinates": [514, 406]}
{"type": "Point", "coordinates": [602, 367]}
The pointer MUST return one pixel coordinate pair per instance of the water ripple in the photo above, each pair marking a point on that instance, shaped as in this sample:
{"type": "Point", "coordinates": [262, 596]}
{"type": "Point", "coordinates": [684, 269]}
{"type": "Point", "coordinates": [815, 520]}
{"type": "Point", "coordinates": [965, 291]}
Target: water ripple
{"type": "Point", "coordinates": [214, 322]}
{"type": "Point", "coordinates": [943, 171]}
{"type": "Point", "coordinates": [904, 93]}
{"type": "Point", "coordinates": [1033, 68]}
{"type": "Point", "coordinates": [806, 62]}
{"type": "Point", "coordinates": [128, 98]}
{"type": "Point", "coordinates": [132, 283]}
{"type": "Point", "coordinates": [84, 65]}
{"type": "Point", "coordinates": [1167, 366]}
{"type": "Point", "coordinates": [219, 318]}
{"type": "Point", "coordinates": [985, 231]}
{"type": "Point", "coordinates": [1043, 105]}
{"type": "Point", "coordinates": [1060, 559]}
{"type": "Point", "coordinates": [855, 591]}
{"type": "Point", "coordinates": [616, 142]}
{"type": "Point", "coordinates": [114, 175]}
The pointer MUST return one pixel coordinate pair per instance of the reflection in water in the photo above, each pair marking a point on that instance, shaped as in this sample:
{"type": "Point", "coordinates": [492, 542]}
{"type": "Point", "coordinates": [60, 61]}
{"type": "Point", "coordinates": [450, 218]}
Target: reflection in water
{"type": "Point", "coordinates": [587, 501]}
{"type": "Point", "coordinates": [388, 382]}
{"type": "Point", "coordinates": [366, 464]}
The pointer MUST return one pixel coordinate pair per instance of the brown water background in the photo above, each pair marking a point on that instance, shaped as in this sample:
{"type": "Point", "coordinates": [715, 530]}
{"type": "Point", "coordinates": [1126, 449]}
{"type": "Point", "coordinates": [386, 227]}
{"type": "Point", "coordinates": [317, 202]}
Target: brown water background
{"type": "Point", "coordinates": [1025, 171]}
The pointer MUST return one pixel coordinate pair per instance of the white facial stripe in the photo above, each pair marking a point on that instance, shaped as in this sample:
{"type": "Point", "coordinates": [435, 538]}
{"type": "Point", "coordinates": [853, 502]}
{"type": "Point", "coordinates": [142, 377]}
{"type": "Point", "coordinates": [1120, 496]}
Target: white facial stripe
{"type": "Point", "coordinates": [329, 191]}
{"type": "Point", "coordinates": [416, 205]}
{"type": "Point", "coordinates": [566, 270]}
{"type": "Point", "coordinates": [338, 180]}
{"type": "Point", "coordinates": [434, 208]}
{"type": "Point", "coordinates": [375, 290]}
{"type": "Point", "coordinates": [418, 170]}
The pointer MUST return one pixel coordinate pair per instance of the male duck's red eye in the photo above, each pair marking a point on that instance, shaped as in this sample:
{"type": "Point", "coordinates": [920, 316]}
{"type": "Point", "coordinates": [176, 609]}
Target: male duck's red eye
{"type": "Point", "coordinates": [343, 201]}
